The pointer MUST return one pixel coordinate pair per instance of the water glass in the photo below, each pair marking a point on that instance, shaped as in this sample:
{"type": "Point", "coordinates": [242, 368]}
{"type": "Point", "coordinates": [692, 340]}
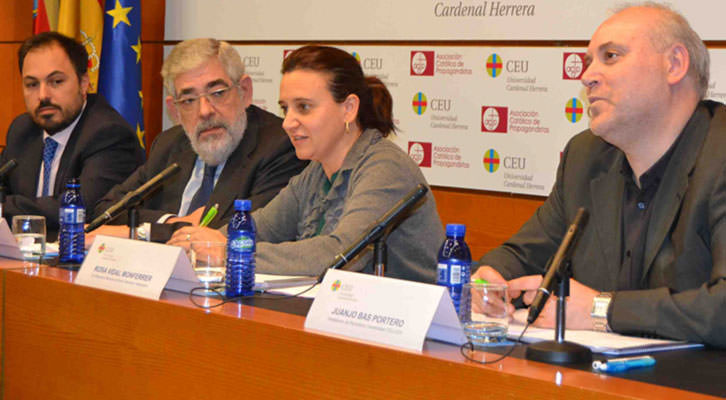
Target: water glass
{"type": "Point", "coordinates": [29, 231]}
{"type": "Point", "coordinates": [208, 260]}
{"type": "Point", "coordinates": [483, 312]}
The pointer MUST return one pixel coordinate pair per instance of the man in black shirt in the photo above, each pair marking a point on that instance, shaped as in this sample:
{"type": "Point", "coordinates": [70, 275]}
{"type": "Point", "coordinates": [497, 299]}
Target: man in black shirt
{"type": "Point", "coordinates": [650, 170]}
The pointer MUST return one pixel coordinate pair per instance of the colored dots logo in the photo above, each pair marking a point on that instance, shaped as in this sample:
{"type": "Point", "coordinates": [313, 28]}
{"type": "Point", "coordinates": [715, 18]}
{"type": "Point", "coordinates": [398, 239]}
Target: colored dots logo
{"type": "Point", "coordinates": [573, 110]}
{"type": "Point", "coordinates": [356, 56]}
{"type": "Point", "coordinates": [419, 103]}
{"type": "Point", "coordinates": [491, 160]}
{"type": "Point", "coordinates": [494, 65]}
{"type": "Point", "coordinates": [335, 286]}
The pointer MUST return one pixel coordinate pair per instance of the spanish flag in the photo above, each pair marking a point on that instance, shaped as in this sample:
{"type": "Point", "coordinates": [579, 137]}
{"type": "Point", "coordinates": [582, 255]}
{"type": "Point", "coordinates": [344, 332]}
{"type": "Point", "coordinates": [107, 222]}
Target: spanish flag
{"type": "Point", "coordinates": [79, 19]}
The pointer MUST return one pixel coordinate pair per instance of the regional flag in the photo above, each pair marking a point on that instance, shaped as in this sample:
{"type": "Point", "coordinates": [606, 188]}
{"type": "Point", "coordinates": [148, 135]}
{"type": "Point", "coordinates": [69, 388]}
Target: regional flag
{"type": "Point", "coordinates": [120, 77]}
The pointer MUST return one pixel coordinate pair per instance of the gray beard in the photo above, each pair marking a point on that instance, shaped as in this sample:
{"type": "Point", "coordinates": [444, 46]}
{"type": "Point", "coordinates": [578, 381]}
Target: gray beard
{"type": "Point", "coordinates": [216, 150]}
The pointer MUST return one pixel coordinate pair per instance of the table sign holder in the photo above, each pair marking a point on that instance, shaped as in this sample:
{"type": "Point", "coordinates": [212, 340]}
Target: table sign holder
{"type": "Point", "coordinates": [134, 267]}
{"type": "Point", "coordinates": [8, 245]}
{"type": "Point", "coordinates": [382, 310]}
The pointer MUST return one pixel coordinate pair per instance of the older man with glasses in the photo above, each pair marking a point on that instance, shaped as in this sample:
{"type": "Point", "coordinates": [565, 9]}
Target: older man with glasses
{"type": "Point", "coordinates": [226, 147]}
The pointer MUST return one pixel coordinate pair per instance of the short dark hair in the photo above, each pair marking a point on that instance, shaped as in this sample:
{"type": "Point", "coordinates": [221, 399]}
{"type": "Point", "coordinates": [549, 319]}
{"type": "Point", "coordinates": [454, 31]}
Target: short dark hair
{"type": "Point", "coordinates": [346, 77]}
{"type": "Point", "coordinates": [75, 51]}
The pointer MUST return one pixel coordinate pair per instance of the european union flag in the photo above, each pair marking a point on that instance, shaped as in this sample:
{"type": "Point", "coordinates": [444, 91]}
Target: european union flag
{"type": "Point", "coordinates": [120, 76]}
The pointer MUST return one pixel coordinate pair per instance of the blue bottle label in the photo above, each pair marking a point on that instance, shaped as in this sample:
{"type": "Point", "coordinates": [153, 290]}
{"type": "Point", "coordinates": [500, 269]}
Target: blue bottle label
{"type": "Point", "coordinates": [70, 215]}
{"type": "Point", "coordinates": [244, 243]}
{"type": "Point", "coordinates": [442, 272]}
{"type": "Point", "coordinates": [455, 274]}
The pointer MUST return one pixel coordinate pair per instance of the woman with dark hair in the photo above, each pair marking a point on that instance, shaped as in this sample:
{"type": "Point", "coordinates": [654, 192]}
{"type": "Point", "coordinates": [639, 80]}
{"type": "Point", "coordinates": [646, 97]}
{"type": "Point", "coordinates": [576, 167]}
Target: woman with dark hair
{"type": "Point", "coordinates": [338, 118]}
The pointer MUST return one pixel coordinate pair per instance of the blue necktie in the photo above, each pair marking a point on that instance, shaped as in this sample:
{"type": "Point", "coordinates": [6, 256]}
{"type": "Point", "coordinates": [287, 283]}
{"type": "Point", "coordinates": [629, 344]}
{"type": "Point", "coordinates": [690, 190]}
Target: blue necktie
{"type": "Point", "coordinates": [48, 153]}
{"type": "Point", "coordinates": [201, 198]}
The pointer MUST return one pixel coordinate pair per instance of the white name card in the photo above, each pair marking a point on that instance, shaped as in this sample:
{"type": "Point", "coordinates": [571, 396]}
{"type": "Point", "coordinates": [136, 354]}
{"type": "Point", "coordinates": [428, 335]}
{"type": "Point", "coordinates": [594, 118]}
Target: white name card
{"type": "Point", "coordinates": [389, 311]}
{"type": "Point", "coordinates": [8, 245]}
{"type": "Point", "coordinates": [130, 266]}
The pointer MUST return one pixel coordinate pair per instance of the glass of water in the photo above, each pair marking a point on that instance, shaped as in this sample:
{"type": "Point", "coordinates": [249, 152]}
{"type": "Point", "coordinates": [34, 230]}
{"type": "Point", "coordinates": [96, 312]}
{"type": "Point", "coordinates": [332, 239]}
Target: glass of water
{"type": "Point", "coordinates": [208, 260]}
{"type": "Point", "coordinates": [483, 312]}
{"type": "Point", "coordinates": [29, 231]}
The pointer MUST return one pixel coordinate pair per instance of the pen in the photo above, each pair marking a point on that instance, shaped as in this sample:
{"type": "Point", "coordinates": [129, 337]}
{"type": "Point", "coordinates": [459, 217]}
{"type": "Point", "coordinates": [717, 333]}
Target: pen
{"type": "Point", "coordinates": [483, 281]}
{"type": "Point", "coordinates": [210, 216]}
{"type": "Point", "coordinates": [623, 364]}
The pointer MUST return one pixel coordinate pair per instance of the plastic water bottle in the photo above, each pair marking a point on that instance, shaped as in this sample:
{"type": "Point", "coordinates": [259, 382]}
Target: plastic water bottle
{"type": "Point", "coordinates": [72, 216]}
{"type": "Point", "coordinates": [454, 269]}
{"type": "Point", "coordinates": [241, 232]}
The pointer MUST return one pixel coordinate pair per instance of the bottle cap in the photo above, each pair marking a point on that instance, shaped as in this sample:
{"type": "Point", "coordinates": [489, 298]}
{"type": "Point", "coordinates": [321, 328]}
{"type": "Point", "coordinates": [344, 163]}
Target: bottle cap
{"type": "Point", "coordinates": [242, 205]}
{"type": "Point", "coordinates": [74, 183]}
{"type": "Point", "coordinates": [455, 230]}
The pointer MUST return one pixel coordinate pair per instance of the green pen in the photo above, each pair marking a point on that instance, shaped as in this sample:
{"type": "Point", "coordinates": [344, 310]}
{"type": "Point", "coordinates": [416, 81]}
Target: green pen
{"type": "Point", "coordinates": [210, 216]}
{"type": "Point", "coordinates": [484, 281]}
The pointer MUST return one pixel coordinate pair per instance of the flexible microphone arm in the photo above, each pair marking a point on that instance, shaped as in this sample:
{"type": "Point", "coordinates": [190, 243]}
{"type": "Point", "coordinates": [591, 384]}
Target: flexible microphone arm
{"type": "Point", "coordinates": [7, 167]}
{"type": "Point", "coordinates": [378, 228]}
{"type": "Point", "coordinates": [134, 197]}
{"type": "Point", "coordinates": [560, 258]}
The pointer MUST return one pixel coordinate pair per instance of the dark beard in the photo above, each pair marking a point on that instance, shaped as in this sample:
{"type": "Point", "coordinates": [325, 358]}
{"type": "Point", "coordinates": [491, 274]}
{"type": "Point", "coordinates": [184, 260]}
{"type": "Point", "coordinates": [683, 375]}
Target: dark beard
{"type": "Point", "coordinates": [54, 127]}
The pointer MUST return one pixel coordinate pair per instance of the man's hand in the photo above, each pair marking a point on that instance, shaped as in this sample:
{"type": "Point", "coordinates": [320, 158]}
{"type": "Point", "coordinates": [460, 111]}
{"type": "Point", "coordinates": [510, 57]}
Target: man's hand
{"type": "Point", "coordinates": [579, 303]}
{"type": "Point", "coordinates": [192, 218]}
{"type": "Point", "coordinates": [121, 231]}
{"type": "Point", "coordinates": [184, 236]}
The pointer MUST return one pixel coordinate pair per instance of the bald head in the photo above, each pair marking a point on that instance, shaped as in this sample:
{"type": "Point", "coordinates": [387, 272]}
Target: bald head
{"type": "Point", "coordinates": [665, 27]}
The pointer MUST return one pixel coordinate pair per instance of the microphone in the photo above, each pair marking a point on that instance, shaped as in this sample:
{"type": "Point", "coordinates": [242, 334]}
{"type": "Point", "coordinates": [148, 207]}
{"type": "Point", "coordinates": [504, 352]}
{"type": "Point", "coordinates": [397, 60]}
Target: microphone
{"type": "Point", "coordinates": [378, 228]}
{"type": "Point", "coordinates": [7, 167]}
{"type": "Point", "coordinates": [561, 256]}
{"type": "Point", "coordinates": [133, 197]}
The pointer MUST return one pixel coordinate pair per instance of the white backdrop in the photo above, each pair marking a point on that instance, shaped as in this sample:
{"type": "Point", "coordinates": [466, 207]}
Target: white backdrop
{"type": "Point", "coordinates": [492, 118]}
{"type": "Point", "coordinates": [410, 19]}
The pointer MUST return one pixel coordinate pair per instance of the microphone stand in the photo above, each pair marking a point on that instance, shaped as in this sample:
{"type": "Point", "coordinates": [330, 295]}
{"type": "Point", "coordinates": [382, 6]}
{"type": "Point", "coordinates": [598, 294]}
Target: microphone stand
{"type": "Point", "coordinates": [380, 255]}
{"type": "Point", "coordinates": [559, 351]}
{"type": "Point", "coordinates": [133, 215]}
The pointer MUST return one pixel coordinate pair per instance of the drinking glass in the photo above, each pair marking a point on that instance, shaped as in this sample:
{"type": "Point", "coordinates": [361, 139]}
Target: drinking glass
{"type": "Point", "coordinates": [483, 312]}
{"type": "Point", "coordinates": [29, 231]}
{"type": "Point", "coordinates": [208, 260]}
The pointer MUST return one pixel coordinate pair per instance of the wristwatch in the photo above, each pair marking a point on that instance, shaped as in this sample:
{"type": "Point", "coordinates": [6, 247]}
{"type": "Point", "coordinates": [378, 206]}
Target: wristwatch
{"type": "Point", "coordinates": [599, 313]}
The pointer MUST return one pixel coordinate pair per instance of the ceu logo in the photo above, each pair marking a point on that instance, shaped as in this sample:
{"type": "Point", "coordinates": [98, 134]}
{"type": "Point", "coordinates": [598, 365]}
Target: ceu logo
{"type": "Point", "coordinates": [422, 63]}
{"type": "Point", "coordinates": [491, 161]}
{"type": "Point", "coordinates": [356, 56]}
{"type": "Point", "coordinates": [251, 61]}
{"type": "Point", "coordinates": [573, 110]}
{"type": "Point", "coordinates": [573, 65]}
{"type": "Point", "coordinates": [335, 286]}
{"type": "Point", "coordinates": [101, 248]}
{"type": "Point", "coordinates": [419, 103]}
{"type": "Point", "coordinates": [494, 65]}
{"type": "Point", "coordinates": [494, 119]}
{"type": "Point", "coordinates": [420, 153]}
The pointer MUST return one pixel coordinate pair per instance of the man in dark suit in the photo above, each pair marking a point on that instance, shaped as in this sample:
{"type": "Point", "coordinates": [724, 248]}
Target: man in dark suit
{"type": "Point", "coordinates": [65, 134]}
{"type": "Point", "coordinates": [651, 170]}
{"type": "Point", "coordinates": [226, 147]}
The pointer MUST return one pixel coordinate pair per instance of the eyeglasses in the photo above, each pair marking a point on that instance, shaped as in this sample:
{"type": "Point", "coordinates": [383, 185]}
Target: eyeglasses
{"type": "Point", "coordinates": [216, 98]}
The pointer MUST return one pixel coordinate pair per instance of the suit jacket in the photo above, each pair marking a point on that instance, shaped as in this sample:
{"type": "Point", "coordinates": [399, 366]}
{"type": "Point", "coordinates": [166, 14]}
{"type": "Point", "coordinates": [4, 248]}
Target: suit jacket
{"type": "Point", "coordinates": [260, 166]}
{"type": "Point", "coordinates": [102, 151]}
{"type": "Point", "coordinates": [684, 270]}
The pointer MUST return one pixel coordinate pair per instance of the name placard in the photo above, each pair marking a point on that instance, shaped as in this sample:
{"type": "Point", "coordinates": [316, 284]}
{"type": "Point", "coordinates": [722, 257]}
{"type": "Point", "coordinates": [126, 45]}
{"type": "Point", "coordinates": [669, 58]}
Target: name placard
{"type": "Point", "coordinates": [8, 245]}
{"type": "Point", "coordinates": [388, 311]}
{"type": "Point", "coordinates": [130, 266]}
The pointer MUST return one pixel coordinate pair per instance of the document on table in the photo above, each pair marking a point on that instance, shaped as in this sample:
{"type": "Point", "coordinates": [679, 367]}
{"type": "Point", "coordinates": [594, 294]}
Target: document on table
{"type": "Point", "coordinates": [607, 343]}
